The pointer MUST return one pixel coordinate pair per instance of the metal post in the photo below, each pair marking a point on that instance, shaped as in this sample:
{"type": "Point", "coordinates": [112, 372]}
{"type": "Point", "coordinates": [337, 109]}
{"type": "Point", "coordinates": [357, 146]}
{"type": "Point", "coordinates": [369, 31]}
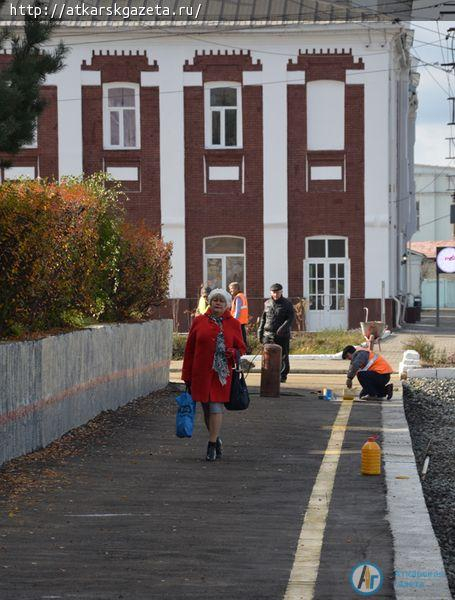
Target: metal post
{"type": "Point", "coordinates": [437, 296]}
{"type": "Point", "coordinates": [270, 371]}
{"type": "Point", "coordinates": [383, 301]}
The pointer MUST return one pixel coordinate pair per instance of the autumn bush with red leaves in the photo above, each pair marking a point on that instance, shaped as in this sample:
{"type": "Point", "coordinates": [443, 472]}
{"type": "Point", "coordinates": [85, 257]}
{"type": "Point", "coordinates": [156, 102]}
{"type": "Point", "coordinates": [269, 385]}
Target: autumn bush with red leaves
{"type": "Point", "coordinates": [68, 257]}
{"type": "Point", "coordinates": [142, 278]}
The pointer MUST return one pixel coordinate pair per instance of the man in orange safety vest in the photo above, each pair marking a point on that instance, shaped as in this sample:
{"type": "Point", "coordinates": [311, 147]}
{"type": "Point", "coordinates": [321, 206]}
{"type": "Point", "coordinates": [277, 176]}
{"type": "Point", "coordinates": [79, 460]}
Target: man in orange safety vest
{"type": "Point", "coordinates": [239, 307]}
{"type": "Point", "coordinates": [372, 370]}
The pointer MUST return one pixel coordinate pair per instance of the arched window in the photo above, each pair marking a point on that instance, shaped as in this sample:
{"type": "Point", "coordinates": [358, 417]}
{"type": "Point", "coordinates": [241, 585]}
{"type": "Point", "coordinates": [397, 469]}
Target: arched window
{"type": "Point", "coordinates": [223, 115]}
{"type": "Point", "coordinates": [121, 116]}
{"type": "Point", "coordinates": [224, 261]}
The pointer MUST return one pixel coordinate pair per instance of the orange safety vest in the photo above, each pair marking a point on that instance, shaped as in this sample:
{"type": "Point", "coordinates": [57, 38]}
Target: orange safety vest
{"type": "Point", "coordinates": [378, 364]}
{"type": "Point", "coordinates": [243, 317]}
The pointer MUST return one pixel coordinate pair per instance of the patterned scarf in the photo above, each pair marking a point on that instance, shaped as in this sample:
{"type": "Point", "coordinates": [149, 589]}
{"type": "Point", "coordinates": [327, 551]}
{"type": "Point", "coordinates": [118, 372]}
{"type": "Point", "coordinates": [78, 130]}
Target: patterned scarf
{"type": "Point", "coordinates": [220, 364]}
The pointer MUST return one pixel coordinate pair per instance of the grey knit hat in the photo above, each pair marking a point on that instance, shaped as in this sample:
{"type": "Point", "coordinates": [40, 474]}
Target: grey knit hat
{"type": "Point", "coordinates": [220, 292]}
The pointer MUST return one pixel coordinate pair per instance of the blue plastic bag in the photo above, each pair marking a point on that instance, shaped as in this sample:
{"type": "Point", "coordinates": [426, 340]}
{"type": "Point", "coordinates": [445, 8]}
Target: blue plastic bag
{"type": "Point", "coordinates": [184, 420]}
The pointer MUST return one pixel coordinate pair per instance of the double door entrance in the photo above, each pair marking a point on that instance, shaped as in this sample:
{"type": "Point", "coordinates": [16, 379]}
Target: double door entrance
{"type": "Point", "coordinates": [326, 283]}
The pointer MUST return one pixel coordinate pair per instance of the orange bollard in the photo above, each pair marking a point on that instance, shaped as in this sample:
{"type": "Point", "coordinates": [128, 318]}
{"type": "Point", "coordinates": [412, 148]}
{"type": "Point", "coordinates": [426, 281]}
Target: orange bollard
{"type": "Point", "coordinates": [371, 457]}
{"type": "Point", "coordinates": [270, 371]}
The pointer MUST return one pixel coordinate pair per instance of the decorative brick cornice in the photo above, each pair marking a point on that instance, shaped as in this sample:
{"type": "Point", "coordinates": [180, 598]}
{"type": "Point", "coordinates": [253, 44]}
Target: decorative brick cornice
{"type": "Point", "coordinates": [120, 66]}
{"type": "Point", "coordinates": [222, 66]}
{"type": "Point", "coordinates": [325, 64]}
{"type": "Point", "coordinates": [241, 59]}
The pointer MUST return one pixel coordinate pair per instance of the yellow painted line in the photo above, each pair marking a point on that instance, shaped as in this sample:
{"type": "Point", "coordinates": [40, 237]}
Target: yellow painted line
{"type": "Point", "coordinates": [308, 554]}
{"type": "Point", "coordinates": [334, 452]}
{"type": "Point", "coordinates": [357, 428]}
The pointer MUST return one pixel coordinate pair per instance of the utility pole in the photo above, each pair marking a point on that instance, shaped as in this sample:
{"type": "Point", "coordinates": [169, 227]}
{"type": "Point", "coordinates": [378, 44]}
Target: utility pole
{"type": "Point", "coordinates": [451, 187]}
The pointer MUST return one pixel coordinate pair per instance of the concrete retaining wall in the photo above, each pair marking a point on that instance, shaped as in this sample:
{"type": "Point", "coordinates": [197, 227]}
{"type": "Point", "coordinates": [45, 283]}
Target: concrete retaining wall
{"type": "Point", "coordinates": [430, 373]}
{"type": "Point", "coordinates": [50, 386]}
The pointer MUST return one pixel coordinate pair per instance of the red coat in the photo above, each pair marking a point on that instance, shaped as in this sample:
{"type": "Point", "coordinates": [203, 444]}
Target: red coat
{"type": "Point", "coordinates": [199, 352]}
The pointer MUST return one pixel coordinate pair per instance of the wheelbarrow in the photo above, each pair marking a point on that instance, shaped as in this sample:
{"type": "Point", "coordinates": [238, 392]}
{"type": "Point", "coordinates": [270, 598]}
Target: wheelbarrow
{"type": "Point", "coordinates": [372, 330]}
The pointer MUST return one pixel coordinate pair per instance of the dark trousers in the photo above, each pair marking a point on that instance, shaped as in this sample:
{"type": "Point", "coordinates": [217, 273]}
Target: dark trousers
{"type": "Point", "coordinates": [244, 335]}
{"type": "Point", "coordinates": [373, 383]}
{"type": "Point", "coordinates": [284, 343]}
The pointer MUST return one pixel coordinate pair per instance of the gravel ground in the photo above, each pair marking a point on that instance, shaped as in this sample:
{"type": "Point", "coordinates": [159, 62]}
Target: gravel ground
{"type": "Point", "coordinates": [430, 411]}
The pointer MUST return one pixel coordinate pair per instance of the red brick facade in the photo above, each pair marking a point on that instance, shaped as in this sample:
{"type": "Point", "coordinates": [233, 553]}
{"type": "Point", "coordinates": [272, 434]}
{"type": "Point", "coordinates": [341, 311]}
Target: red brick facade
{"type": "Point", "coordinates": [144, 195]}
{"type": "Point", "coordinates": [223, 209]}
{"type": "Point", "coordinates": [325, 208]}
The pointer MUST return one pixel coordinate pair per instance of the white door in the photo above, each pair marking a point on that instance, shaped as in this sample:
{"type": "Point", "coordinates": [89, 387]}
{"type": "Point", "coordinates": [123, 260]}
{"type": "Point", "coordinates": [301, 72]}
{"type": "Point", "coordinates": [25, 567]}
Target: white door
{"type": "Point", "coordinates": [326, 282]}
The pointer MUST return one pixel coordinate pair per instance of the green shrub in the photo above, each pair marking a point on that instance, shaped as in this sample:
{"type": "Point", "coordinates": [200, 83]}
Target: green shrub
{"type": "Point", "coordinates": [144, 271]}
{"type": "Point", "coordinates": [66, 256]}
{"type": "Point", "coordinates": [327, 341]}
{"type": "Point", "coordinates": [48, 245]}
{"type": "Point", "coordinates": [254, 346]}
{"type": "Point", "coordinates": [178, 345]}
{"type": "Point", "coordinates": [420, 344]}
{"type": "Point", "coordinates": [75, 319]}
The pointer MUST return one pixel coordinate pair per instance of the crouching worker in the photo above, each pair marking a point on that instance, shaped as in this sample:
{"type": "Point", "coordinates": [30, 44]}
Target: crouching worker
{"type": "Point", "coordinates": [372, 370]}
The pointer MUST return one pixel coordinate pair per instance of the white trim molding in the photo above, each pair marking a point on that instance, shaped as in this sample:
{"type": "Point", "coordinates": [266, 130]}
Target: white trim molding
{"type": "Point", "coordinates": [224, 173]}
{"type": "Point", "coordinates": [252, 77]}
{"type": "Point", "coordinates": [172, 162]}
{"type": "Point", "coordinates": [295, 77]}
{"type": "Point", "coordinates": [17, 172]}
{"type": "Point", "coordinates": [326, 173]}
{"type": "Point", "coordinates": [123, 173]}
{"type": "Point", "coordinates": [275, 141]}
{"type": "Point", "coordinates": [192, 78]}
{"type": "Point", "coordinates": [90, 77]}
{"type": "Point", "coordinates": [150, 79]}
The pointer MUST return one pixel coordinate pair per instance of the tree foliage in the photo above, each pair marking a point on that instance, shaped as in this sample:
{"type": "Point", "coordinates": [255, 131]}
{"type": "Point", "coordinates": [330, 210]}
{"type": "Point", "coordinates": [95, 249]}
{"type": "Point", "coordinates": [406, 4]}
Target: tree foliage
{"type": "Point", "coordinates": [144, 271]}
{"type": "Point", "coordinates": [67, 257]}
{"type": "Point", "coordinates": [21, 79]}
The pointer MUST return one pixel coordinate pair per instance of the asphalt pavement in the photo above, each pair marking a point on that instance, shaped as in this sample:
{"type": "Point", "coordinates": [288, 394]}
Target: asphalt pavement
{"type": "Point", "coordinates": [132, 512]}
{"type": "Point", "coordinates": [122, 509]}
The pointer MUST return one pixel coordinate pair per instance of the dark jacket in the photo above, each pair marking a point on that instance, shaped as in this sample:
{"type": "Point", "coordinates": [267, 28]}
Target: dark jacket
{"type": "Point", "coordinates": [359, 359]}
{"type": "Point", "coordinates": [277, 318]}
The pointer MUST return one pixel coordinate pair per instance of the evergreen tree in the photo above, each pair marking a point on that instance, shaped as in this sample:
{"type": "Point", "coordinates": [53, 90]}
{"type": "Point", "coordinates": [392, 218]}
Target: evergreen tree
{"type": "Point", "coordinates": [22, 78]}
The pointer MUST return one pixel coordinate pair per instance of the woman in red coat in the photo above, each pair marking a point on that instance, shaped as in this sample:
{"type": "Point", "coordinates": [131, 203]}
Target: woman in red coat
{"type": "Point", "coordinates": [207, 364]}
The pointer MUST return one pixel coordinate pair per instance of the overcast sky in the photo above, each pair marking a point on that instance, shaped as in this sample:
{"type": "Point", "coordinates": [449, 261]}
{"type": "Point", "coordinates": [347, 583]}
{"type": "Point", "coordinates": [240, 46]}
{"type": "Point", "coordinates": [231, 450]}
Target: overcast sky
{"type": "Point", "coordinates": [433, 112]}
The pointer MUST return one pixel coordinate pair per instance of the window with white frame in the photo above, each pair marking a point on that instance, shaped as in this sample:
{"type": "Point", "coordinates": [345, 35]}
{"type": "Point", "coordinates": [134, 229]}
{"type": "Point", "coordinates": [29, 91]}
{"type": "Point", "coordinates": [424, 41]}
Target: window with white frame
{"type": "Point", "coordinates": [223, 115]}
{"type": "Point", "coordinates": [121, 116]}
{"type": "Point", "coordinates": [224, 261]}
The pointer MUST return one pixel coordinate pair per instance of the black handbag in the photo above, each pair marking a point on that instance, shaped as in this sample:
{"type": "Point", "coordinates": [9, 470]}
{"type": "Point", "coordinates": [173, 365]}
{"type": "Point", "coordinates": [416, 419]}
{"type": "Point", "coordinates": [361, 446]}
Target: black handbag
{"type": "Point", "coordinates": [239, 398]}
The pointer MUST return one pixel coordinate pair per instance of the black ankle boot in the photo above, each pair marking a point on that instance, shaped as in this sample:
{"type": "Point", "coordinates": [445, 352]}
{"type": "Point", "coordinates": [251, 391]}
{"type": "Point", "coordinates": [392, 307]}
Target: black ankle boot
{"type": "Point", "coordinates": [219, 447]}
{"type": "Point", "coordinates": [211, 451]}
